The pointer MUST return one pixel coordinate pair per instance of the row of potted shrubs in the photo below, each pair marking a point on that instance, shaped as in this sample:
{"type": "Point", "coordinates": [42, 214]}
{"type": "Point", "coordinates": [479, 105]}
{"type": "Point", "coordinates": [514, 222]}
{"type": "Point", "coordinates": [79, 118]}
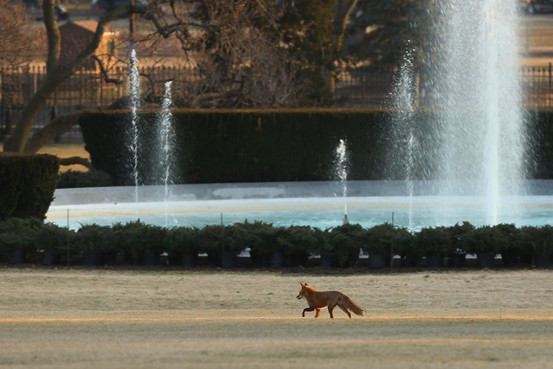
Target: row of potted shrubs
{"type": "Point", "coordinates": [31, 240]}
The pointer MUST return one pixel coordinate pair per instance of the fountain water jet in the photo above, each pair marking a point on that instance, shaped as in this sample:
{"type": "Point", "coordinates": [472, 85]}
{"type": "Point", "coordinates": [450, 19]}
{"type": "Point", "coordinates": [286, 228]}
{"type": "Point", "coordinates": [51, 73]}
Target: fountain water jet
{"type": "Point", "coordinates": [478, 138]}
{"type": "Point", "coordinates": [167, 139]}
{"type": "Point", "coordinates": [341, 173]}
{"type": "Point", "coordinates": [403, 124]}
{"type": "Point", "coordinates": [134, 93]}
{"type": "Point", "coordinates": [479, 91]}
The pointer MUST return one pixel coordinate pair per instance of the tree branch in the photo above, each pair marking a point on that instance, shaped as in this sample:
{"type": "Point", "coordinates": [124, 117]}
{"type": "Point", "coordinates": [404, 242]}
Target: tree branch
{"type": "Point", "coordinates": [76, 160]}
{"type": "Point", "coordinates": [54, 37]}
{"type": "Point", "coordinates": [104, 72]}
{"type": "Point", "coordinates": [344, 8]}
{"type": "Point", "coordinates": [195, 103]}
{"type": "Point", "coordinates": [49, 132]}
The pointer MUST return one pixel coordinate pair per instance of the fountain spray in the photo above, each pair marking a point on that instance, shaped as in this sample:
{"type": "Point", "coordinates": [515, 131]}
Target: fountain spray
{"type": "Point", "coordinates": [134, 92]}
{"type": "Point", "coordinates": [341, 173]}
{"type": "Point", "coordinates": [167, 140]}
{"type": "Point", "coordinates": [403, 125]}
{"type": "Point", "coordinates": [477, 89]}
{"type": "Point", "coordinates": [474, 143]}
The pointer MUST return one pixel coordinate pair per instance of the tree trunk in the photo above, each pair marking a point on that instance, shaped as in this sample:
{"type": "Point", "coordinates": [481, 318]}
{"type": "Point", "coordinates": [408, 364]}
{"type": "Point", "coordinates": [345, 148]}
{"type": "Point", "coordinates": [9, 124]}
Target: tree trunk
{"type": "Point", "coordinates": [344, 8]}
{"type": "Point", "coordinates": [55, 75]}
{"type": "Point", "coordinates": [49, 132]}
{"type": "Point", "coordinates": [16, 142]}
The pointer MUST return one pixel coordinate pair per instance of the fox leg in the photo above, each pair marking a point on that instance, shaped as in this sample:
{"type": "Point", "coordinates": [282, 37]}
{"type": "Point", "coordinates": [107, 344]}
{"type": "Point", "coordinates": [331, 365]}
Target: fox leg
{"type": "Point", "coordinates": [305, 310]}
{"type": "Point", "coordinates": [344, 309]}
{"type": "Point", "coordinates": [331, 310]}
{"type": "Point", "coordinates": [317, 312]}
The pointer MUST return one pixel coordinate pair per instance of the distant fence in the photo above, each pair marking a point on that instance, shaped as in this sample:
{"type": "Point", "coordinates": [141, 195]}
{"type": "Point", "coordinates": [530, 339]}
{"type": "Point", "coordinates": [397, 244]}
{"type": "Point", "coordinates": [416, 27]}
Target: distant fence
{"type": "Point", "coordinates": [90, 90]}
{"type": "Point", "coordinates": [537, 83]}
{"type": "Point", "coordinates": [83, 90]}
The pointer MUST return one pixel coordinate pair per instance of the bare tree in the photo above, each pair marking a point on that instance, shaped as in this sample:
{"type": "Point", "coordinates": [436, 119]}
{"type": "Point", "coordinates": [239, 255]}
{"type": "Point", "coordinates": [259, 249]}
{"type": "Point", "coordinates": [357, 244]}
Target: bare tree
{"type": "Point", "coordinates": [240, 58]}
{"type": "Point", "coordinates": [237, 46]}
{"type": "Point", "coordinates": [17, 36]}
{"type": "Point", "coordinates": [56, 74]}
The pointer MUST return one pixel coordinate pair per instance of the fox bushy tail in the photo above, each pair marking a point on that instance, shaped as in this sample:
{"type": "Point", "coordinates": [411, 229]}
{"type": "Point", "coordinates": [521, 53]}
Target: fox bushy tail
{"type": "Point", "coordinates": [353, 306]}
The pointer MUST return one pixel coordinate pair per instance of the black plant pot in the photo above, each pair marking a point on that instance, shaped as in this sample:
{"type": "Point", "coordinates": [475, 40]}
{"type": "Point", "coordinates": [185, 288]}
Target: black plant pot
{"type": "Point", "coordinates": [150, 258]}
{"type": "Point", "coordinates": [434, 260]}
{"type": "Point", "coordinates": [92, 258]}
{"type": "Point", "coordinates": [49, 257]}
{"type": "Point", "coordinates": [17, 256]}
{"type": "Point", "coordinates": [510, 258]}
{"type": "Point", "coordinates": [229, 259]}
{"type": "Point", "coordinates": [410, 261]}
{"type": "Point", "coordinates": [353, 258]}
{"type": "Point", "coordinates": [277, 259]}
{"type": "Point", "coordinates": [298, 258]}
{"type": "Point", "coordinates": [328, 261]}
{"type": "Point", "coordinates": [458, 260]}
{"type": "Point", "coordinates": [259, 259]}
{"type": "Point", "coordinates": [188, 259]}
{"type": "Point", "coordinates": [485, 260]}
{"type": "Point", "coordinates": [377, 261]}
{"type": "Point", "coordinates": [542, 260]}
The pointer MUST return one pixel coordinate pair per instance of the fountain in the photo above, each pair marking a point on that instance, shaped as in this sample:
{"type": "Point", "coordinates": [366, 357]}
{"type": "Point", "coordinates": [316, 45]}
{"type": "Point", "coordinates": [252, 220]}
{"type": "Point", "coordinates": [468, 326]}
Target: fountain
{"type": "Point", "coordinates": [478, 146]}
{"type": "Point", "coordinates": [475, 92]}
{"type": "Point", "coordinates": [483, 138]}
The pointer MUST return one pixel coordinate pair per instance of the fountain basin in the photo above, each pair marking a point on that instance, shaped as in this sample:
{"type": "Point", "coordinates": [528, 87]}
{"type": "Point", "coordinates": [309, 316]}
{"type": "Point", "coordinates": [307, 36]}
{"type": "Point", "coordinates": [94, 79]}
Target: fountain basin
{"type": "Point", "coordinates": [316, 204]}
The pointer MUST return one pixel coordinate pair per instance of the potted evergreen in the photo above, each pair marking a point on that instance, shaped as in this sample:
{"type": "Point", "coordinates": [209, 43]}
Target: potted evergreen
{"type": "Point", "coordinates": [141, 243]}
{"type": "Point", "coordinates": [54, 242]}
{"type": "Point", "coordinates": [343, 245]}
{"type": "Point", "coordinates": [383, 241]}
{"type": "Point", "coordinates": [304, 241]}
{"type": "Point", "coordinates": [457, 254]}
{"type": "Point", "coordinates": [436, 243]}
{"type": "Point", "coordinates": [181, 247]}
{"type": "Point", "coordinates": [97, 244]}
{"type": "Point", "coordinates": [17, 238]}
{"type": "Point", "coordinates": [259, 238]}
{"type": "Point", "coordinates": [222, 244]}
{"type": "Point", "coordinates": [539, 242]}
{"type": "Point", "coordinates": [233, 243]}
{"type": "Point", "coordinates": [508, 239]}
{"type": "Point", "coordinates": [479, 242]}
{"type": "Point", "coordinates": [488, 241]}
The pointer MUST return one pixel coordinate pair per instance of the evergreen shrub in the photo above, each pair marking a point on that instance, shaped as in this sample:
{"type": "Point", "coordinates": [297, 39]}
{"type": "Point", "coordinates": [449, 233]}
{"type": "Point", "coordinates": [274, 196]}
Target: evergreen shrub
{"type": "Point", "coordinates": [27, 184]}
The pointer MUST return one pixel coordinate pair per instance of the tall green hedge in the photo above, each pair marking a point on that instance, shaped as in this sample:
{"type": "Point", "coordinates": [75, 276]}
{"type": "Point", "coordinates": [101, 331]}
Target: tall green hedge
{"type": "Point", "coordinates": [27, 184]}
{"type": "Point", "coordinates": [540, 152]}
{"type": "Point", "coordinates": [240, 145]}
{"type": "Point", "coordinates": [274, 145]}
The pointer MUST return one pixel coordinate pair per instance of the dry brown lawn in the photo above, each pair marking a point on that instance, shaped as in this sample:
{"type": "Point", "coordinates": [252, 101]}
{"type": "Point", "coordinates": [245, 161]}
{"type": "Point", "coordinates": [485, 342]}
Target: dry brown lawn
{"type": "Point", "coordinates": [181, 319]}
{"type": "Point", "coordinates": [64, 150]}
{"type": "Point", "coordinates": [67, 150]}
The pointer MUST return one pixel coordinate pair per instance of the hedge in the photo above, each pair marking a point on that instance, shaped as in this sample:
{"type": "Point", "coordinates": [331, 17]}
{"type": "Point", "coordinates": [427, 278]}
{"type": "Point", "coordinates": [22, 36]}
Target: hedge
{"type": "Point", "coordinates": [218, 146]}
{"type": "Point", "coordinates": [271, 246]}
{"type": "Point", "coordinates": [27, 184]}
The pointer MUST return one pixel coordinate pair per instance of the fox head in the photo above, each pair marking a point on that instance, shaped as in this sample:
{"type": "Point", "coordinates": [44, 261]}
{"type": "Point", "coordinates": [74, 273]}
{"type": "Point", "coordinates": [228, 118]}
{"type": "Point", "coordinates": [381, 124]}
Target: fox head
{"type": "Point", "coordinates": [302, 291]}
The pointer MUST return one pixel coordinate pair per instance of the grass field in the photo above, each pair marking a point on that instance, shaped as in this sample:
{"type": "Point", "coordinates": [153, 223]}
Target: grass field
{"type": "Point", "coordinates": [180, 319]}
{"type": "Point", "coordinates": [67, 150]}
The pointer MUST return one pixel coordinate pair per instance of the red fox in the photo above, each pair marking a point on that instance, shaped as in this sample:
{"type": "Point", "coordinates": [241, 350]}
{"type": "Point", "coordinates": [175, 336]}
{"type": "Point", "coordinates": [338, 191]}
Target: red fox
{"type": "Point", "coordinates": [321, 299]}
